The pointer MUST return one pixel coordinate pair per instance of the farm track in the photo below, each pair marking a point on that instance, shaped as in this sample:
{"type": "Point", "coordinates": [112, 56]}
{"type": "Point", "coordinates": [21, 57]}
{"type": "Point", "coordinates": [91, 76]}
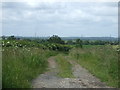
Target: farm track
{"type": "Point", "coordinates": [83, 79]}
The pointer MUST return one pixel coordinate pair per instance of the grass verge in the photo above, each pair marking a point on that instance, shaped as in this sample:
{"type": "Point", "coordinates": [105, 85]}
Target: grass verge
{"type": "Point", "coordinates": [102, 61]}
{"type": "Point", "coordinates": [21, 65]}
{"type": "Point", "coordinates": [65, 68]}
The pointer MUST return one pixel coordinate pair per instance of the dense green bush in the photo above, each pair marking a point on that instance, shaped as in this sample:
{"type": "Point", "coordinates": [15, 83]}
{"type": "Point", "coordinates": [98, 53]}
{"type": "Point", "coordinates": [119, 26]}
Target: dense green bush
{"type": "Point", "coordinates": [55, 39]}
{"type": "Point", "coordinates": [26, 43]}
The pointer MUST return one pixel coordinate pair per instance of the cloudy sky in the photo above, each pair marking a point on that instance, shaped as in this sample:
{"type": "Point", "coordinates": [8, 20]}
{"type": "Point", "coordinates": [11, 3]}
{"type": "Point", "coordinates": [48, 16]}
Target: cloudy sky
{"type": "Point", "coordinates": [89, 19]}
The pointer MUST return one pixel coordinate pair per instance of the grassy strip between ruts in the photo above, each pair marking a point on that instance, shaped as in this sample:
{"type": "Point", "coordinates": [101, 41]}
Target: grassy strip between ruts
{"type": "Point", "coordinates": [21, 65]}
{"type": "Point", "coordinates": [65, 68]}
{"type": "Point", "coordinates": [102, 61]}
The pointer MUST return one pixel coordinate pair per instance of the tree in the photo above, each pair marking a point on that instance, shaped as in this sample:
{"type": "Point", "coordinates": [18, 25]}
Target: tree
{"type": "Point", "coordinates": [70, 42]}
{"type": "Point", "coordinates": [3, 37]}
{"type": "Point", "coordinates": [78, 43]}
{"type": "Point", "coordinates": [11, 38]}
{"type": "Point", "coordinates": [55, 39]}
{"type": "Point", "coordinates": [86, 42]}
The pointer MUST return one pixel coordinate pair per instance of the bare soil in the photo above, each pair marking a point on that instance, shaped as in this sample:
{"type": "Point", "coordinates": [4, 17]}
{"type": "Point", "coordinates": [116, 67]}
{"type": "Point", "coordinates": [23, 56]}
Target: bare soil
{"type": "Point", "coordinates": [83, 79]}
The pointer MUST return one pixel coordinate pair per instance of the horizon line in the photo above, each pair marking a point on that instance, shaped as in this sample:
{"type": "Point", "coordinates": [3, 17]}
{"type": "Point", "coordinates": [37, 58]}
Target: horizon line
{"type": "Point", "coordinates": [60, 36]}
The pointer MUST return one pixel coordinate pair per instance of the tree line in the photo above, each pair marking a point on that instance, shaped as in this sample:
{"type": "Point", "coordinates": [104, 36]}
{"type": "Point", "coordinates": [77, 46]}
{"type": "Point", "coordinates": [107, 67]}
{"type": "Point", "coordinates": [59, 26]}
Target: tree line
{"type": "Point", "coordinates": [56, 39]}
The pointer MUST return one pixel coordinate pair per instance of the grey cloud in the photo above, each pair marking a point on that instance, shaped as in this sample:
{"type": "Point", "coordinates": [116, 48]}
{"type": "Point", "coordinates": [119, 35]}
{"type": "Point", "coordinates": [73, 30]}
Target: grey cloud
{"type": "Point", "coordinates": [60, 17]}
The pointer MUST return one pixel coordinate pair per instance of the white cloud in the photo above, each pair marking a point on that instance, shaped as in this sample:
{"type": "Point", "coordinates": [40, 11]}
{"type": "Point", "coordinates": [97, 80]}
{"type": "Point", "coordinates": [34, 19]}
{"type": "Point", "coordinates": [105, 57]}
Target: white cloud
{"type": "Point", "coordinates": [62, 11]}
{"type": "Point", "coordinates": [61, 15]}
{"type": "Point", "coordinates": [52, 1]}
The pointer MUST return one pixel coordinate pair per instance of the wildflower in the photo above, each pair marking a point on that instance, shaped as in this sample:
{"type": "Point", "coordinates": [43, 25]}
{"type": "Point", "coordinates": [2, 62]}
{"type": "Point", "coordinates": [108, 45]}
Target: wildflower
{"type": "Point", "coordinates": [3, 44]}
{"type": "Point", "coordinates": [28, 49]}
{"type": "Point", "coordinates": [16, 46]}
{"type": "Point", "coordinates": [118, 50]}
{"type": "Point", "coordinates": [8, 42]}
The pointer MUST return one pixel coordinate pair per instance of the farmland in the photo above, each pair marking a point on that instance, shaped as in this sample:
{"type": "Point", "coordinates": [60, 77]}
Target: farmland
{"type": "Point", "coordinates": [25, 59]}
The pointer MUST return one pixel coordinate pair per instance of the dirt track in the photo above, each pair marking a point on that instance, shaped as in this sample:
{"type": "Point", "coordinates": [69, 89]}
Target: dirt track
{"type": "Point", "coordinates": [83, 79]}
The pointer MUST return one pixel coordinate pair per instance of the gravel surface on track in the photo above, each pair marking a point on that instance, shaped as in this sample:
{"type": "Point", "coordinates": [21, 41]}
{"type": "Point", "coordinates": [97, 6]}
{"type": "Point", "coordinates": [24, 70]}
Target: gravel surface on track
{"type": "Point", "coordinates": [83, 79]}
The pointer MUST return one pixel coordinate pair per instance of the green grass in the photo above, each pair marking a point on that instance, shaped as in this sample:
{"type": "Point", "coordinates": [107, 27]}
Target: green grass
{"type": "Point", "coordinates": [21, 65]}
{"type": "Point", "coordinates": [102, 61]}
{"type": "Point", "coordinates": [90, 46]}
{"type": "Point", "coordinates": [0, 67]}
{"type": "Point", "coordinates": [65, 68]}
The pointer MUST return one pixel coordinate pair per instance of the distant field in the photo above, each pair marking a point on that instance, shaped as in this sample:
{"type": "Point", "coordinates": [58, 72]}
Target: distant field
{"type": "Point", "coordinates": [90, 46]}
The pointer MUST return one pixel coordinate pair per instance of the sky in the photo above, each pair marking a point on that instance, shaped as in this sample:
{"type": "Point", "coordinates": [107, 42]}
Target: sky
{"type": "Point", "coordinates": [65, 19]}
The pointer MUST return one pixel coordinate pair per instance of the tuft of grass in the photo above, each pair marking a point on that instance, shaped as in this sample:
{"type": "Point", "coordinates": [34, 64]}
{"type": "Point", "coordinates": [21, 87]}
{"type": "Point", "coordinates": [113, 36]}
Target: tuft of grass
{"type": "Point", "coordinates": [102, 61]}
{"type": "Point", "coordinates": [21, 65]}
{"type": "Point", "coordinates": [65, 68]}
